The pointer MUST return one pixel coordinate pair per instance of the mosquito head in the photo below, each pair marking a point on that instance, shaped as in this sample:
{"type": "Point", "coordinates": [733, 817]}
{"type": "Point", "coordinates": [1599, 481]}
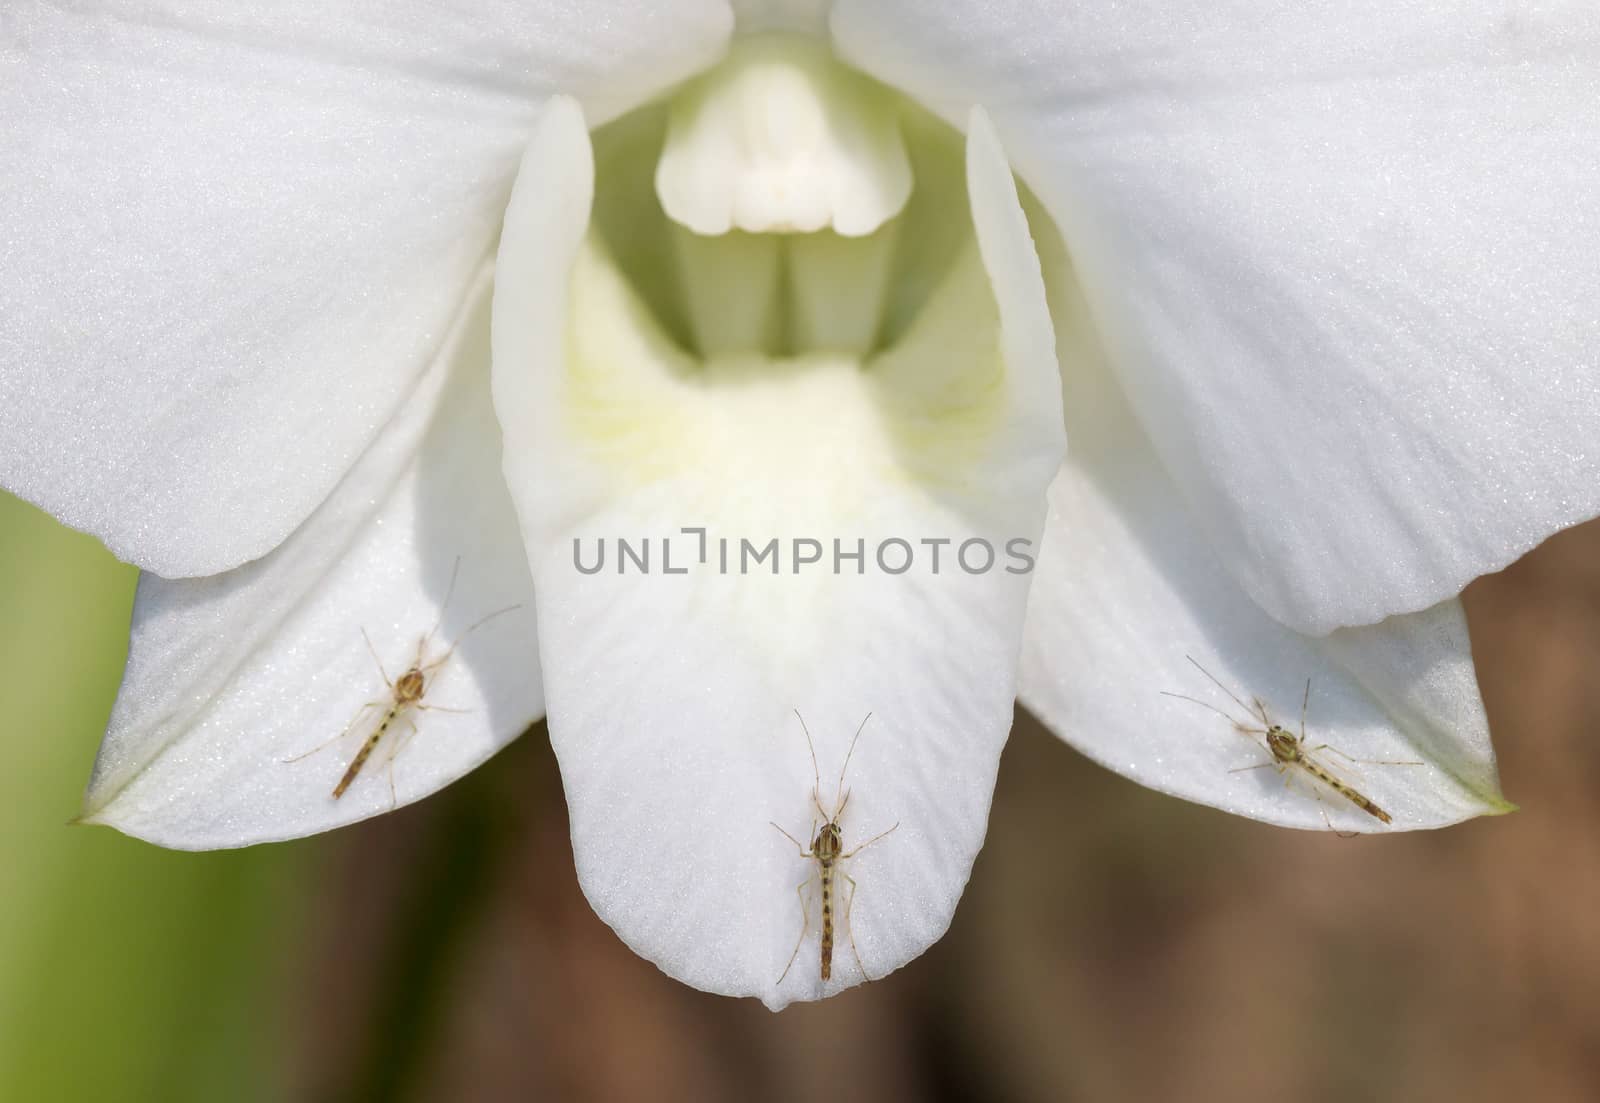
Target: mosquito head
{"type": "Point", "coordinates": [829, 843]}
{"type": "Point", "coordinates": [409, 687]}
{"type": "Point", "coordinates": [1283, 745]}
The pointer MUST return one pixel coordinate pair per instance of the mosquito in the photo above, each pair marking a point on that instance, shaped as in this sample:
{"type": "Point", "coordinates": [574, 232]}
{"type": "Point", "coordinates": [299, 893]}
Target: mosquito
{"type": "Point", "coordinates": [827, 850]}
{"type": "Point", "coordinates": [1291, 752]}
{"type": "Point", "coordinates": [405, 697]}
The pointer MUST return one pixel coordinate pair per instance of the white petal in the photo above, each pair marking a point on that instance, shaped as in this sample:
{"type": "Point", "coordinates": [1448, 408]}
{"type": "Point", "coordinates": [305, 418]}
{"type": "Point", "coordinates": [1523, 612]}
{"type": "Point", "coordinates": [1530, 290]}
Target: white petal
{"type": "Point", "coordinates": [671, 696]}
{"type": "Point", "coordinates": [1127, 588]}
{"type": "Point", "coordinates": [231, 240]}
{"type": "Point", "coordinates": [1345, 255]}
{"type": "Point", "coordinates": [230, 676]}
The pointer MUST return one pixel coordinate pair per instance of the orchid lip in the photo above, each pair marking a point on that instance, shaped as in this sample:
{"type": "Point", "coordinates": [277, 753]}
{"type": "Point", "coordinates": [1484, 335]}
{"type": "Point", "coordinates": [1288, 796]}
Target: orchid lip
{"type": "Point", "coordinates": [933, 412]}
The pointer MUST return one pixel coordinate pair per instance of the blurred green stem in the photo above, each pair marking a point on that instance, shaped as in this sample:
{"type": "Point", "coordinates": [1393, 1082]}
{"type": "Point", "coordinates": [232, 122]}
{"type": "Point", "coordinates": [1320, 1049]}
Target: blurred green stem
{"type": "Point", "coordinates": [126, 972]}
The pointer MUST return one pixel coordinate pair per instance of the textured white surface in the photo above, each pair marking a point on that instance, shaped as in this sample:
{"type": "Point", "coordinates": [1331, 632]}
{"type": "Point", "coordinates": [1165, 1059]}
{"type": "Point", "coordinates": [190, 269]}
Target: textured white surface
{"type": "Point", "coordinates": [1346, 256]}
{"type": "Point", "coordinates": [670, 697]}
{"type": "Point", "coordinates": [1127, 587]}
{"type": "Point", "coordinates": [229, 676]}
{"type": "Point", "coordinates": [233, 233]}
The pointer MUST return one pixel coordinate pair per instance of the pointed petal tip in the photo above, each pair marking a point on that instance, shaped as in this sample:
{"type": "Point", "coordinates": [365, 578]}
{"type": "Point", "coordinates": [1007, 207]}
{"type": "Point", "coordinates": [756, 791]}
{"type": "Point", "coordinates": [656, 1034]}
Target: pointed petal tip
{"type": "Point", "coordinates": [229, 678]}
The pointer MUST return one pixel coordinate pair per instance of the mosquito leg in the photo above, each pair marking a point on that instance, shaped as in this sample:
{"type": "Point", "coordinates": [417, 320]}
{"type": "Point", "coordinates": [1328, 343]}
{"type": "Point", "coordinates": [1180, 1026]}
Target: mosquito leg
{"type": "Point", "coordinates": [804, 853]}
{"type": "Point", "coordinates": [1365, 761]}
{"type": "Point", "coordinates": [394, 751]}
{"type": "Point", "coordinates": [849, 927]}
{"type": "Point", "coordinates": [1258, 766]}
{"type": "Point", "coordinates": [805, 921]}
{"type": "Point", "coordinates": [1326, 822]}
{"type": "Point", "coordinates": [401, 743]}
{"type": "Point", "coordinates": [348, 728]}
{"type": "Point", "coordinates": [1329, 823]}
{"type": "Point", "coordinates": [869, 842]}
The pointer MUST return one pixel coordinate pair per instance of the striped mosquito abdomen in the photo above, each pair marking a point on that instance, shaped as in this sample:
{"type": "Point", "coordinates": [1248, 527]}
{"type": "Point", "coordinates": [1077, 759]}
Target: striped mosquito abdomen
{"type": "Point", "coordinates": [1288, 751]}
{"type": "Point", "coordinates": [408, 691]}
{"type": "Point", "coordinates": [368, 745]}
{"type": "Point", "coordinates": [827, 920]}
{"type": "Point", "coordinates": [1361, 801]}
{"type": "Point", "coordinates": [826, 849]}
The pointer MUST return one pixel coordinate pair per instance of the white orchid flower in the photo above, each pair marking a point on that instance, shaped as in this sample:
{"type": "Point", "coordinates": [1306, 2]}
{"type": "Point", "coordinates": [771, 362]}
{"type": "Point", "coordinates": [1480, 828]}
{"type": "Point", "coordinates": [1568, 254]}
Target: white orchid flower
{"type": "Point", "coordinates": [305, 305]}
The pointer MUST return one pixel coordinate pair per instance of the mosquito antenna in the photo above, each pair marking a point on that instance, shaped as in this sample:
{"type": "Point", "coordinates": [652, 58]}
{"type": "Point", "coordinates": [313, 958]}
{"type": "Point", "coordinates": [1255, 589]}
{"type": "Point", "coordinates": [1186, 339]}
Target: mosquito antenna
{"type": "Point", "coordinates": [816, 776]}
{"type": "Point", "coordinates": [445, 655]}
{"type": "Point", "coordinates": [840, 790]}
{"type": "Point", "coordinates": [480, 622]}
{"type": "Point", "coordinates": [1220, 686]}
{"type": "Point", "coordinates": [1202, 704]}
{"type": "Point", "coordinates": [449, 592]}
{"type": "Point", "coordinates": [373, 651]}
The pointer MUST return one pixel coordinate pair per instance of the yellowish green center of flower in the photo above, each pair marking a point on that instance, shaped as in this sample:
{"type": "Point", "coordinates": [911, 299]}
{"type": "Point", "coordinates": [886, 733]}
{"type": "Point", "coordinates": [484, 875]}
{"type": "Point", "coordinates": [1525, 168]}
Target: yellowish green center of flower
{"type": "Point", "coordinates": [781, 266]}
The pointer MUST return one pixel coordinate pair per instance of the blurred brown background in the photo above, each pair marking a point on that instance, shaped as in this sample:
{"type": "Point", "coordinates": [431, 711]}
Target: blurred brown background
{"type": "Point", "coordinates": [1114, 943]}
